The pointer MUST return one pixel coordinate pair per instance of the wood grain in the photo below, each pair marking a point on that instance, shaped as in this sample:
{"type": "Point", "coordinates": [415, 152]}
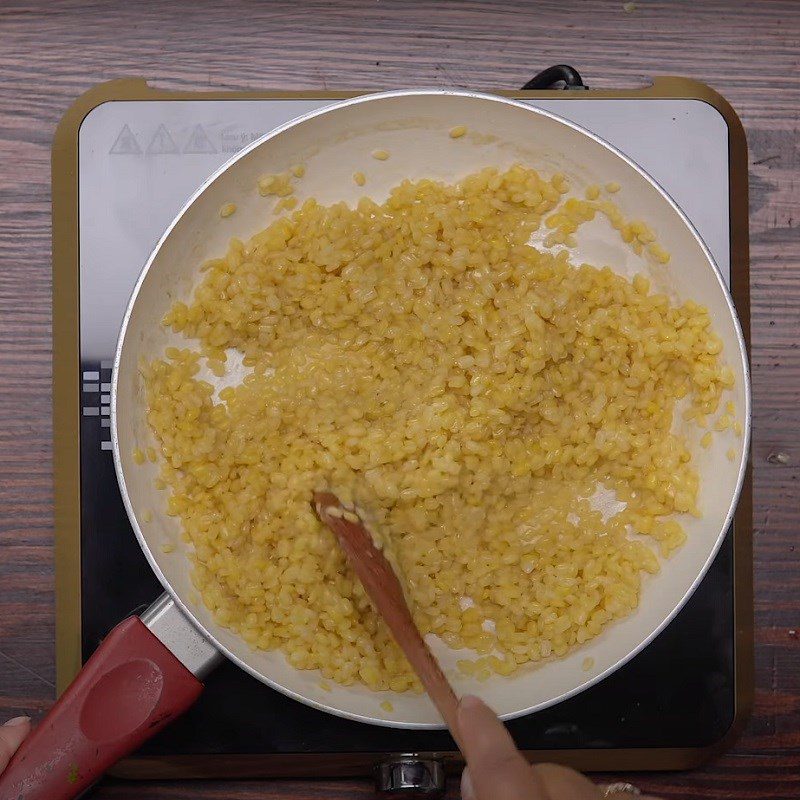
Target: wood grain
{"type": "Point", "coordinates": [52, 51]}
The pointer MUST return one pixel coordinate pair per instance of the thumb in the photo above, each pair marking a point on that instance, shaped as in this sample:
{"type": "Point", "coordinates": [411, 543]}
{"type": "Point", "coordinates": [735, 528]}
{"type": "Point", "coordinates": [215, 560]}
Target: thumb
{"type": "Point", "coordinates": [495, 768]}
{"type": "Point", "coordinates": [11, 736]}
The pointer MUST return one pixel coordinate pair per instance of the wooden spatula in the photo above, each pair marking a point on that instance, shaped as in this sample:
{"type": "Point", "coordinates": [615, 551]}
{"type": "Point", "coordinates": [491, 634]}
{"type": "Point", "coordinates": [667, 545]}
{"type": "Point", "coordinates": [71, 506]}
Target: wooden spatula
{"type": "Point", "coordinates": [382, 585]}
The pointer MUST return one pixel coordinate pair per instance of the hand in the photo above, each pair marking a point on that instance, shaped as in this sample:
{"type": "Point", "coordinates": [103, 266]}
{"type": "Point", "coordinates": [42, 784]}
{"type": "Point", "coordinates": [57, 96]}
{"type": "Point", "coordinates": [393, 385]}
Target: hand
{"type": "Point", "coordinates": [11, 736]}
{"type": "Point", "coordinates": [496, 770]}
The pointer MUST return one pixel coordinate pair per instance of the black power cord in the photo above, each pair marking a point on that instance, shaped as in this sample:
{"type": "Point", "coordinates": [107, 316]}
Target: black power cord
{"type": "Point", "coordinates": [549, 78]}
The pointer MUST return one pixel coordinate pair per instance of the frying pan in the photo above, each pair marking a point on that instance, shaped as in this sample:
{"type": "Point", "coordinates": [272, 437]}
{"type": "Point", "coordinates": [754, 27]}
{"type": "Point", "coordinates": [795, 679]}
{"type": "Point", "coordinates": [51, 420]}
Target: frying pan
{"type": "Point", "coordinates": [148, 670]}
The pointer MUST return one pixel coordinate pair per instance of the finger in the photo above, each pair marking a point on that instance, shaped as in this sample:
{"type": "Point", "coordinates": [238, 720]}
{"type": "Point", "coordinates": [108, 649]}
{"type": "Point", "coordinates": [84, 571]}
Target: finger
{"type": "Point", "coordinates": [495, 768]}
{"type": "Point", "coordinates": [565, 782]}
{"type": "Point", "coordinates": [11, 736]}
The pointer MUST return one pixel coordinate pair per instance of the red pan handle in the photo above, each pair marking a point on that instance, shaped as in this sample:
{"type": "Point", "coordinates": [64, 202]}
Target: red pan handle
{"type": "Point", "coordinates": [129, 689]}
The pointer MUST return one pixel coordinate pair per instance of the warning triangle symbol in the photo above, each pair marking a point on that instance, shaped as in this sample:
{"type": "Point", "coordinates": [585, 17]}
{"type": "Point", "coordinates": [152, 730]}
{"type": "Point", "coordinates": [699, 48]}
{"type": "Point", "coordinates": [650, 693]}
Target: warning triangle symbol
{"type": "Point", "coordinates": [125, 143]}
{"type": "Point", "coordinates": [199, 141]}
{"type": "Point", "coordinates": [161, 142]}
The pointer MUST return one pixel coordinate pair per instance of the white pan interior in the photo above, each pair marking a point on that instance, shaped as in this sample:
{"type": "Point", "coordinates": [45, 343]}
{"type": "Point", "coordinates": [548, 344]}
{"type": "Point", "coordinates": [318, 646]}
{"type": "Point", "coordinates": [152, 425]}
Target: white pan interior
{"type": "Point", "coordinates": [414, 127]}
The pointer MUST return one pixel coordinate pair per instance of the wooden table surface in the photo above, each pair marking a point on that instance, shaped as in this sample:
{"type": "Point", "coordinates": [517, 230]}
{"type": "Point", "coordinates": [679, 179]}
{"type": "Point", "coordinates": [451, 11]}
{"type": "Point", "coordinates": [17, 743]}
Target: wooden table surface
{"type": "Point", "coordinates": [50, 52]}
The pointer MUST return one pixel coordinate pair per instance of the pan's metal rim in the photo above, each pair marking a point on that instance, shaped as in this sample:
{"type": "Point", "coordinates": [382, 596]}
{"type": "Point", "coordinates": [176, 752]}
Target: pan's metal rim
{"type": "Point", "coordinates": [747, 416]}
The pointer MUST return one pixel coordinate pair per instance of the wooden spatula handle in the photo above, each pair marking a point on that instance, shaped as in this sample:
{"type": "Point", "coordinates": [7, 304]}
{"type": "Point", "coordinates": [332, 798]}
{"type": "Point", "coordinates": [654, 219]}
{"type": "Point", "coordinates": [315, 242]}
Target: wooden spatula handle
{"type": "Point", "coordinates": [384, 589]}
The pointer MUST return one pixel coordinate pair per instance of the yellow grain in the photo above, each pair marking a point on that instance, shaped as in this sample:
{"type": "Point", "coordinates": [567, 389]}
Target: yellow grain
{"type": "Point", "coordinates": [279, 185]}
{"type": "Point", "coordinates": [217, 367]}
{"type": "Point", "coordinates": [138, 456]}
{"type": "Point", "coordinates": [658, 253]}
{"type": "Point", "coordinates": [227, 210]}
{"type": "Point", "coordinates": [286, 203]}
{"type": "Point", "coordinates": [265, 183]}
{"type": "Point", "coordinates": [380, 155]}
{"type": "Point", "coordinates": [359, 178]}
{"type": "Point", "coordinates": [458, 131]}
{"type": "Point", "coordinates": [723, 423]}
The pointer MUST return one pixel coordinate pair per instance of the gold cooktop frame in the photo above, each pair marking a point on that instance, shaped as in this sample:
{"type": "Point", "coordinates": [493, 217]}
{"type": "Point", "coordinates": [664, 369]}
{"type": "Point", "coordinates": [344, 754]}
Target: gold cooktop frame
{"type": "Point", "coordinates": [66, 423]}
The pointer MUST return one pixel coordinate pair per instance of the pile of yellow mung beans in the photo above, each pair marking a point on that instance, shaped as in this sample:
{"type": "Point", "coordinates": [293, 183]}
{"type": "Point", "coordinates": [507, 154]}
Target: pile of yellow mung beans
{"type": "Point", "coordinates": [469, 390]}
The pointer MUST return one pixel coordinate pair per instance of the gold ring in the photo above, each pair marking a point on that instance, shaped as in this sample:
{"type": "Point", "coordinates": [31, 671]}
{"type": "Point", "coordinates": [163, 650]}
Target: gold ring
{"type": "Point", "coordinates": [621, 789]}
